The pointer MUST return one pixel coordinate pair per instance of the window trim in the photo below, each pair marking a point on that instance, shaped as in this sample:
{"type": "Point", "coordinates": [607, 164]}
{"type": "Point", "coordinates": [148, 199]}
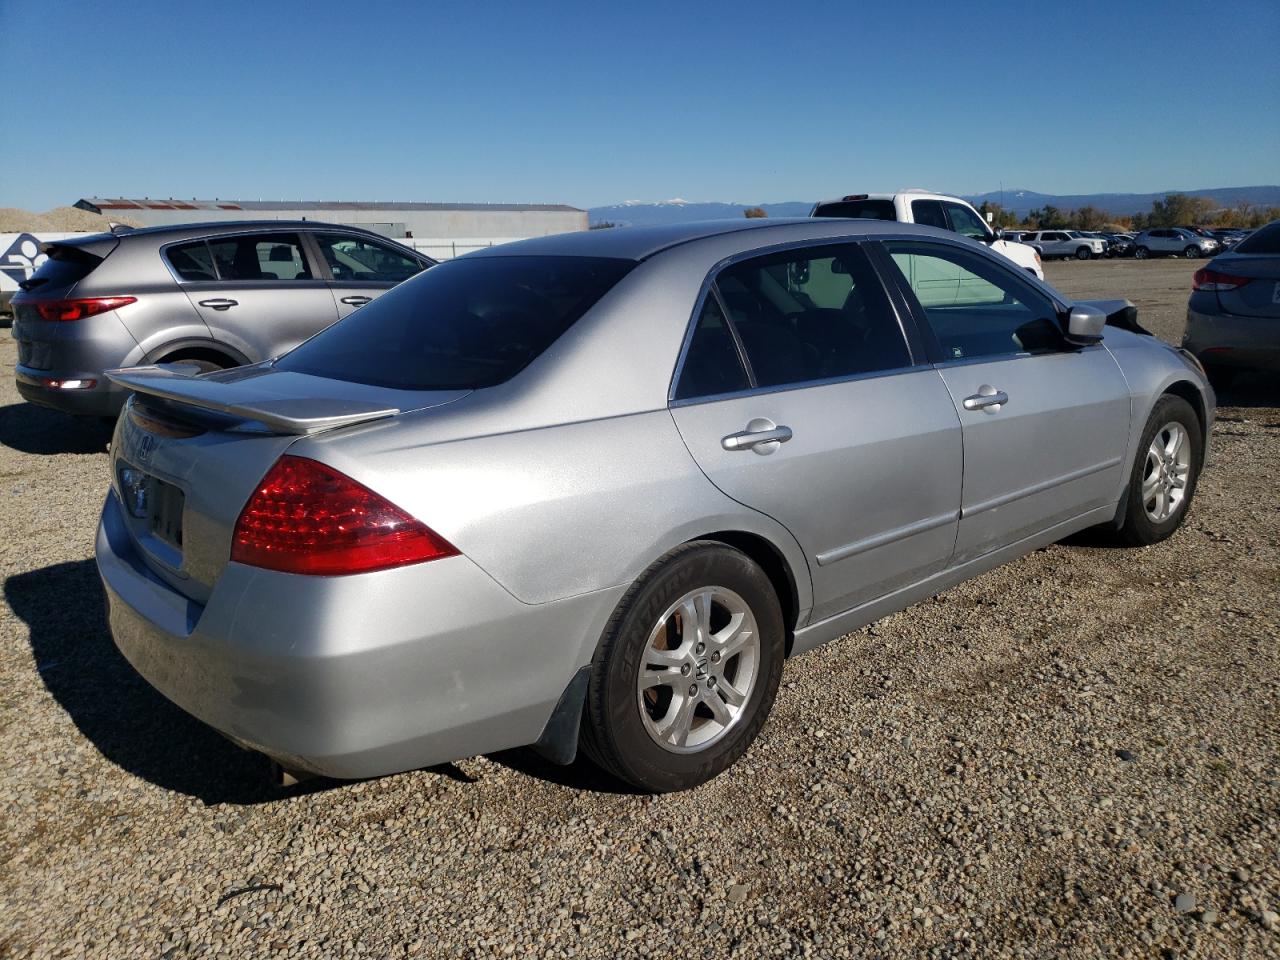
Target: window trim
{"type": "Point", "coordinates": [220, 280]}
{"type": "Point", "coordinates": [933, 346]}
{"type": "Point", "coordinates": [916, 346]}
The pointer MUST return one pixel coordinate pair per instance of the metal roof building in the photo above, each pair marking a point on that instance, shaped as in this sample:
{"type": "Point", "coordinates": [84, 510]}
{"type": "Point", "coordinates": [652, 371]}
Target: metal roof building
{"type": "Point", "coordinates": [441, 221]}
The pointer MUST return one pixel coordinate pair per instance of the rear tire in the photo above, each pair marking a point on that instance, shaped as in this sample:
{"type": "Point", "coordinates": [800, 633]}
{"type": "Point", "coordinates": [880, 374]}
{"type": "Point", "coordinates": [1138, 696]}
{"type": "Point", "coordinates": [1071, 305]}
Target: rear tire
{"type": "Point", "coordinates": [681, 685]}
{"type": "Point", "coordinates": [1141, 253]}
{"type": "Point", "coordinates": [207, 362]}
{"type": "Point", "coordinates": [1164, 474]}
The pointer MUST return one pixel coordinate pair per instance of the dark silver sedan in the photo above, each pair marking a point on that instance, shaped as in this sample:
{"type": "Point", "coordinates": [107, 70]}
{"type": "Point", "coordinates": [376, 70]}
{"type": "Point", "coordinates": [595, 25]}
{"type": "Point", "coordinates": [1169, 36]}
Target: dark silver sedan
{"type": "Point", "coordinates": [596, 488]}
{"type": "Point", "coordinates": [1233, 316]}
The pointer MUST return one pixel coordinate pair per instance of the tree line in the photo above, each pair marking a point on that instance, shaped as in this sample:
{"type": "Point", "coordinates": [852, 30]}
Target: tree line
{"type": "Point", "coordinates": [1175, 210]}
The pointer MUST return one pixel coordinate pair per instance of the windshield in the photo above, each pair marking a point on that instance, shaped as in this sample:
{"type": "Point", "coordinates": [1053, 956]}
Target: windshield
{"type": "Point", "coordinates": [463, 324]}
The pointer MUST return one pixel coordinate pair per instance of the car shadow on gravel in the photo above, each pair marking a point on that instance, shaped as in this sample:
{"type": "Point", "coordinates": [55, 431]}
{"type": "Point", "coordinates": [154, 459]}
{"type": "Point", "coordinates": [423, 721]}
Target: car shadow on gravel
{"type": "Point", "coordinates": [1251, 390]}
{"type": "Point", "coordinates": [130, 723]}
{"type": "Point", "coordinates": [34, 429]}
{"type": "Point", "coordinates": [582, 774]}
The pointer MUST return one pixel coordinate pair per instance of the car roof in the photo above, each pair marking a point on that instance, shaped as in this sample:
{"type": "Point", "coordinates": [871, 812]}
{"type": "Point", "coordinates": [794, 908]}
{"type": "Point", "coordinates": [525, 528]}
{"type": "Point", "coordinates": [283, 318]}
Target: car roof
{"type": "Point", "coordinates": [640, 243]}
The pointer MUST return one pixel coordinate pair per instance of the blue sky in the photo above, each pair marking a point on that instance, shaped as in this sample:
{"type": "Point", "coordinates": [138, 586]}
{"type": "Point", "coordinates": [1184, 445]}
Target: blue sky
{"type": "Point", "coordinates": [595, 103]}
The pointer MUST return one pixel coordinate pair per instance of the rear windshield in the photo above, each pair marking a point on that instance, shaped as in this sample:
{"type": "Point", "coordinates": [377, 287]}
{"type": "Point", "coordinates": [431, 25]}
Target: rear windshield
{"type": "Point", "coordinates": [857, 209]}
{"type": "Point", "coordinates": [1265, 240]}
{"type": "Point", "coordinates": [463, 324]}
{"type": "Point", "coordinates": [65, 266]}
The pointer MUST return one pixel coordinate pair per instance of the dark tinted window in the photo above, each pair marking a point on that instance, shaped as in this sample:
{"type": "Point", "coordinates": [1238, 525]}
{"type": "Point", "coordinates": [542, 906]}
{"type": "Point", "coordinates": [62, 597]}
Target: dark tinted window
{"type": "Point", "coordinates": [811, 315]}
{"type": "Point", "coordinates": [64, 266]}
{"type": "Point", "coordinates": [711, 364]}
{"type": "Point", "coordinates": [463, 324]}
{"type": "Point", "coordinates": [858, 209]}
{"type": "Point", "coordinates": [360, 260]}
{"type": "Point", "coordinates": [260, 256]}
{"type": "Point", "coordinates": [1265, 240]}
{"type": "Point", "coordinates": [929, 213]}
{"type": "Point", "coordinates": [192, 261]}
{"type": "Point", "coordinates": [974, 306]}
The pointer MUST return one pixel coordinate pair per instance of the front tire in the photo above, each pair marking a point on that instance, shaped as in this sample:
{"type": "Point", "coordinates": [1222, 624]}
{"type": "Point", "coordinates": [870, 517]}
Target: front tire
{"type": "Point", "coordinates": [1141, 253]}
{"type": "Point", "coordinates": [687, 669]}
{"type": "Point", "coordinates": [1191, 252]}
{"type": "Point", "coordinates": [1165, 473]}
{"type": "Point", "coordinates": [1083, 253]}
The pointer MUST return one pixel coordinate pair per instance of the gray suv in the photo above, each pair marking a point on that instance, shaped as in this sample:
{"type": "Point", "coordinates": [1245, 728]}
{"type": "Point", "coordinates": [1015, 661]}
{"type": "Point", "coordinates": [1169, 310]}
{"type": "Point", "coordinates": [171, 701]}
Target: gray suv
{"type": "Point", "coordinates": [213, 295]}
{"type": "Point", "coordinates": [1175, 241]}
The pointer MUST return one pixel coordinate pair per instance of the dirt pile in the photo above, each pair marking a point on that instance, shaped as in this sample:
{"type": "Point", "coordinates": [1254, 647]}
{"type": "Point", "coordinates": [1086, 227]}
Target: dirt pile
{"type": "Point", "coordinates": [57, 220]}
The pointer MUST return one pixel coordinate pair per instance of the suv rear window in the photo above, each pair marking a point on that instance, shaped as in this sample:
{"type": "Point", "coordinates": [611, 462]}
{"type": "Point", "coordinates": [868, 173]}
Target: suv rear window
{"type": "Point", "coordinates": [66, 265]}
{"type": "Point", "coordinates": [463, 324]}
{"type": "Point", "coordinates": [857, 209]}
{"type": "Point", "coordinates": [1264, 240]}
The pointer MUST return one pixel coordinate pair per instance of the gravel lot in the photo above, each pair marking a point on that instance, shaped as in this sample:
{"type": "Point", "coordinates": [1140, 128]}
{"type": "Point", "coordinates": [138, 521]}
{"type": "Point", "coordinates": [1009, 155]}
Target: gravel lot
{"type": "Point", "coordinates": [1077, 754]}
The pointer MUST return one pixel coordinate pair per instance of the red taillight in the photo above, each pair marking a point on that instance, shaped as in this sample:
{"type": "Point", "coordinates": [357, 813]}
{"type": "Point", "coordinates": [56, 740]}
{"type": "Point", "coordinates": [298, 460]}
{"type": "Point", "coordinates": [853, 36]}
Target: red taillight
{"type": "Point", "coordinates": [305, 517]}
{"type": "Point", "coordinates": [1206, 279]}
{"type": "Point", "coordinates": [79, 309]}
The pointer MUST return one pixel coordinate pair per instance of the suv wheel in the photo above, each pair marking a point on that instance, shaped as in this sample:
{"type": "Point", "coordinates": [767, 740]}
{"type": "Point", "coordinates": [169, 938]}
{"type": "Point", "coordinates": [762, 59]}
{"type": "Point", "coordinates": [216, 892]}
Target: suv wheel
{"type": "Point", "coordinates": [1191, 252]}
{"type": "Point", "coordinates": [1083, 253]}
{"type": "Point", "coordinates": [687, 669]}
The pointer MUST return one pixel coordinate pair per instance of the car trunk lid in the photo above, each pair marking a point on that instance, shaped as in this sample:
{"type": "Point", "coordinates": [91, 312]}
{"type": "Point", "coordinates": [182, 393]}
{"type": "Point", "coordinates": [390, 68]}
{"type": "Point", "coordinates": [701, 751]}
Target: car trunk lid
{"type": "Point", "coordinates": [1260, 297]}
{"type": "Point", "coordinates": [189, 452]}
{"type": "Point", "coordinates": [67, 263]}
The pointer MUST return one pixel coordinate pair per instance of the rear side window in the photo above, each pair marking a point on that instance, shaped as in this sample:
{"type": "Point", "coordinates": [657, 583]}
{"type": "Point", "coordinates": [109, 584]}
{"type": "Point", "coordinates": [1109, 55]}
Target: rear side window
{"type": "Point", "coordinates": [929, 213]}
{"type": "Point", "coordinates": [712, 364]}
{"type": "Point", "coordinates": [858, 209]}
{"type": "Point", "coordinates": [464, 324]}
{"type": "Point", "coordinates": [260, 256]}
{"type": "Point", "coordinates": [192, 261]}
{"type": "Point", "coordinates": [1265, 240]}
{"type": "Point", "coordinates": [811, 314]}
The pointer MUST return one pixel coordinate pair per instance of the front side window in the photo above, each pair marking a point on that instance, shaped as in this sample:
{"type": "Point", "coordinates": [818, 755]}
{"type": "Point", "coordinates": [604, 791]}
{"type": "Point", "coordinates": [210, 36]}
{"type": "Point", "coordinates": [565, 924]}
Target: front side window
{"type": "Point", "coordinates": [965, 221]}
{"type": "Point", "coordinates": [464, 324]}
{"type": "Point", "coordinates": [362, 260]}
{"type": "Point", "coordinates": [260, 256]}
{"type": "Point", "coordinates": [929, 213]}
{"type": "Point", "coordinates": [814, 314]}
{"type": "Point", "coordinates": [975, 307]}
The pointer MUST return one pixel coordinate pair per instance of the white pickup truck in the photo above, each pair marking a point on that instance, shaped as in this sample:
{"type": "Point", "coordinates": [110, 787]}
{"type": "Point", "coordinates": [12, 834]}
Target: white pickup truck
{"type": "Point", "coordinates": [932, 210]}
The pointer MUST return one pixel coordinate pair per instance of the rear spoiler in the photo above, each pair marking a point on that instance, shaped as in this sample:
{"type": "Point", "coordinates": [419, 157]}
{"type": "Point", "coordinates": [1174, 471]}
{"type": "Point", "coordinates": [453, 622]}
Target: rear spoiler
{"type": "Point", "coordinates": [1120, 313]}
{"type": "Point", "coordinates": [288, 415]}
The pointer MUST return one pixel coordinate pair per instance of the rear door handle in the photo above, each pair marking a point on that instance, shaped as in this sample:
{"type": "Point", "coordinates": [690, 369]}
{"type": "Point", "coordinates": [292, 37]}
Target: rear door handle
{"type": "Point", "coordinates": [763, 436]}
{"type": "Point", "coordinates": [356, 301]}
{"type": "Point", "coordinates": [987, 398]}
{"type": "Point", "coordinates": [220, 303]}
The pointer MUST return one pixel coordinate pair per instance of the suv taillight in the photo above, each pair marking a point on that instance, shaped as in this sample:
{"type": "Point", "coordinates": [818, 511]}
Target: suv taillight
{"type": "Point", "coordinates": [306, 517]}
{"type": "Point", "coordinates": [1206, 279]}
{"type": "Point", "coordinates": [81, 308]}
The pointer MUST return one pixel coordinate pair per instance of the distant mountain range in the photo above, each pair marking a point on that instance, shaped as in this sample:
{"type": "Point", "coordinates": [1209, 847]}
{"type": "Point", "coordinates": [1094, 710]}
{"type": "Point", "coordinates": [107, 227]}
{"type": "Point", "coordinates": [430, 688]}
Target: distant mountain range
{"type": "Point", "coordinates": [645, 213]}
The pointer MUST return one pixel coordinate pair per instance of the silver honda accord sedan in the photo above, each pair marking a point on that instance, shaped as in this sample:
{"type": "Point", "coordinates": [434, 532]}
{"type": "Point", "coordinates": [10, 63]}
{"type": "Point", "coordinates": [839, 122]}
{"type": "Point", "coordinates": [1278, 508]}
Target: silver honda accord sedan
{"type": "Point", "coordinates": [594, 489]}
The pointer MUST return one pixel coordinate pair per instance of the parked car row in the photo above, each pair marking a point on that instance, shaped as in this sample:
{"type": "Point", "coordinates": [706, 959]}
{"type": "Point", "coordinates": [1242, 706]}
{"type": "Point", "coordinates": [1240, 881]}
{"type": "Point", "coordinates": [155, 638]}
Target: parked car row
{"type": "Point", "coordinates": [1189, 242]}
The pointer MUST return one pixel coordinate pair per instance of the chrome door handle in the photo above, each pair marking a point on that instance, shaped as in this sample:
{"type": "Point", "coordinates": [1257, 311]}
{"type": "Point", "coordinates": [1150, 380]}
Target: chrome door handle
{"type": "Point", "coordinates": [356, 301]}
{"type": "Point", "coordinates": [220, 303]}
{"type": "Point", "coordinates": [761, 435]}
{"type": "Point", "coordinates": [987, 398]}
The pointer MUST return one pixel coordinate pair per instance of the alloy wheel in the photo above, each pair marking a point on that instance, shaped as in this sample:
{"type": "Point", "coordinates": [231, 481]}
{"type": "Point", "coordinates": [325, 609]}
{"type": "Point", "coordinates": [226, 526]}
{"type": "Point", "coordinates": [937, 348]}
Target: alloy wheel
{"type": "Point", "coordinates": [1166, 472]}
{"type": "Point", "coordinates": [698, 669]}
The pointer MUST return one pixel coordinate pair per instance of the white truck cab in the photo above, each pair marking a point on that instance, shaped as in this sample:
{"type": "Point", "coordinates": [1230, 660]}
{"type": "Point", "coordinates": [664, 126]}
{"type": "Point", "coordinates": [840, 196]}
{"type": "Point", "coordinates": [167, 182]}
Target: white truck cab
{"type": "Point", "coordinates": [932, 210]}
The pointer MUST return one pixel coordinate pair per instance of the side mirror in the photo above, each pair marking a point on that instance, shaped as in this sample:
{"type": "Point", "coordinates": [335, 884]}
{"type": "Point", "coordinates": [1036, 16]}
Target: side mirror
{"type": "Point", "coordinates": [1084, 325]}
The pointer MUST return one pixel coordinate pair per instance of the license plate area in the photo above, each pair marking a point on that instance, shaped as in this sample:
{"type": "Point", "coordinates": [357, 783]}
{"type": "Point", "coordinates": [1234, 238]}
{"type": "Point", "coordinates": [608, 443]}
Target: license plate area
{"type": "Point", "coordinates": [154, 504]}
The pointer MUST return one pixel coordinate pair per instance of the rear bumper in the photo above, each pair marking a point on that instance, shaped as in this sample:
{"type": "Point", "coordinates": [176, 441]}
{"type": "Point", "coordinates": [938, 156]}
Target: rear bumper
{"type": "Point", "coordinates": [104, 399]}
{"type": "Point", "coordinates": [1227, 340]}
{"type": "Point", "coordinates": [350, 676]}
